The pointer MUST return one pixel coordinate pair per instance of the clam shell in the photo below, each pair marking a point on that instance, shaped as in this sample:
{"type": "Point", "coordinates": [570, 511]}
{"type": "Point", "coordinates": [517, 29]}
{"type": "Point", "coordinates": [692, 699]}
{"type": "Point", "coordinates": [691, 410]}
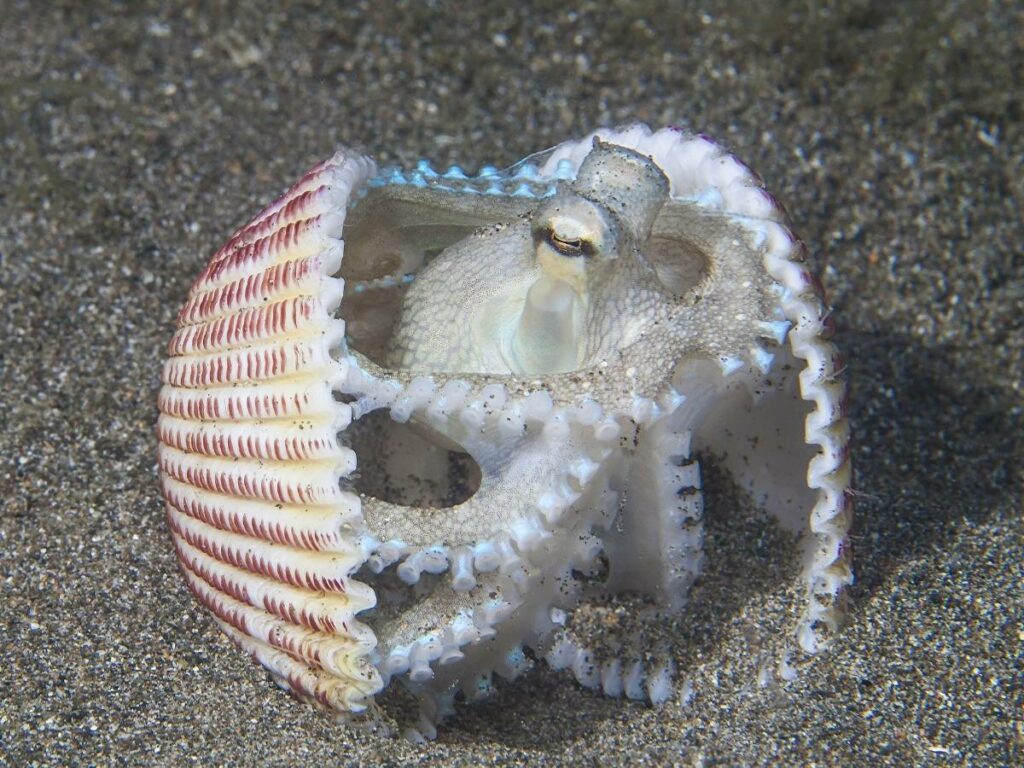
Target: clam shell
{"type": "Point", "coordinates": [258, 387]}
{"type": "Point", "coordinates": [250, 460]}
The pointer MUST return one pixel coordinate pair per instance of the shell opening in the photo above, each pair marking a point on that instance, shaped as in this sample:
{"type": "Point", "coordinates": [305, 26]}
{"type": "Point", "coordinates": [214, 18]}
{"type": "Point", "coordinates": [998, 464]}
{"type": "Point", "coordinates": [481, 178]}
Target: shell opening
{"type": "Point", "coordinates": [410, 464]}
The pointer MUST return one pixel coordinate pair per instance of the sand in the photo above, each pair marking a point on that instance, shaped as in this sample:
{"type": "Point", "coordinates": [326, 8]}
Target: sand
{"type": "Point", "coordinates": [135, 139]}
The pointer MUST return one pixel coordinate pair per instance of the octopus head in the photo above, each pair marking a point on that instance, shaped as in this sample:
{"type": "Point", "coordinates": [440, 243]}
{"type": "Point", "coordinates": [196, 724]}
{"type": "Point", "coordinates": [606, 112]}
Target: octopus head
{"type": "Point", "coordinates": [589, 296]}
{"type": "Point", "coordinates": [551, 290]}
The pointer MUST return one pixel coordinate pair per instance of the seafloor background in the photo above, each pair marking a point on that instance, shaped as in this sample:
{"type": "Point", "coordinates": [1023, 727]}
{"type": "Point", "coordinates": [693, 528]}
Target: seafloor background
{"type": "Point", "coordinates": [135, 136]}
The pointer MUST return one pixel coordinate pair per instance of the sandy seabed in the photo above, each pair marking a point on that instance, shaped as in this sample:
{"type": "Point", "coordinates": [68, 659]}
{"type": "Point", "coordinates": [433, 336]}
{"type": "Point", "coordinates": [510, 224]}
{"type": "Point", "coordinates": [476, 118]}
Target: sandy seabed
{"type": "Point", "coordinates": [135, 137]}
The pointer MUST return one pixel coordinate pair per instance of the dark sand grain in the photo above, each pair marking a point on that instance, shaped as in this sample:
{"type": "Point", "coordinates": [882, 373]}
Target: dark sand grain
{"type": "Point", "coordinates": [136, 136]}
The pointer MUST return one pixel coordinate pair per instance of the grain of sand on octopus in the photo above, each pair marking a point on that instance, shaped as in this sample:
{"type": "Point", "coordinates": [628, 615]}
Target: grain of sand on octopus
{"type": "Point", "coordinates": [414, 422]}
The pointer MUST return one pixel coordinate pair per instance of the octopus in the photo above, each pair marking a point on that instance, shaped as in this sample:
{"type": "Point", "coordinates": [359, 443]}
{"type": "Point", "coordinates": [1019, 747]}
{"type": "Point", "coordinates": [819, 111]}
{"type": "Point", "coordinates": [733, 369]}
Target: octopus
{"type": "Point", "coordinates": [413, 421]}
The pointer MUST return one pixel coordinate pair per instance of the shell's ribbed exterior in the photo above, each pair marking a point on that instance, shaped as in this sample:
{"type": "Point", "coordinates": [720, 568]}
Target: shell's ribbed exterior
{"type": "Point", "coordinates": [250, 459]}
{"type": "Point", "coordinates": [590, 479]}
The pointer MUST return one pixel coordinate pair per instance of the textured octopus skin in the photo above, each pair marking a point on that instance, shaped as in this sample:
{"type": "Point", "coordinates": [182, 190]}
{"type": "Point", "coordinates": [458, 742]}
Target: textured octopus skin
{"type": "Point", "coordinates": [575, 330]}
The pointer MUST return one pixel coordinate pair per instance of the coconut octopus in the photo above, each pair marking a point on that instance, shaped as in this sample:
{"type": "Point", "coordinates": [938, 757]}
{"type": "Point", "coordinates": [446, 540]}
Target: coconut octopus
{"type": "Point", "coordinates": [412, 420]}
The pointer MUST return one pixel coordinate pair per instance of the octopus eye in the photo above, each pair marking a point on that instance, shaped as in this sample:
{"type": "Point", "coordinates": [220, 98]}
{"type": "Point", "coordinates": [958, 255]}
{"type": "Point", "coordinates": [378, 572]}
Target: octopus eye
{"type": "Point", "coordinates": [571, 247]}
